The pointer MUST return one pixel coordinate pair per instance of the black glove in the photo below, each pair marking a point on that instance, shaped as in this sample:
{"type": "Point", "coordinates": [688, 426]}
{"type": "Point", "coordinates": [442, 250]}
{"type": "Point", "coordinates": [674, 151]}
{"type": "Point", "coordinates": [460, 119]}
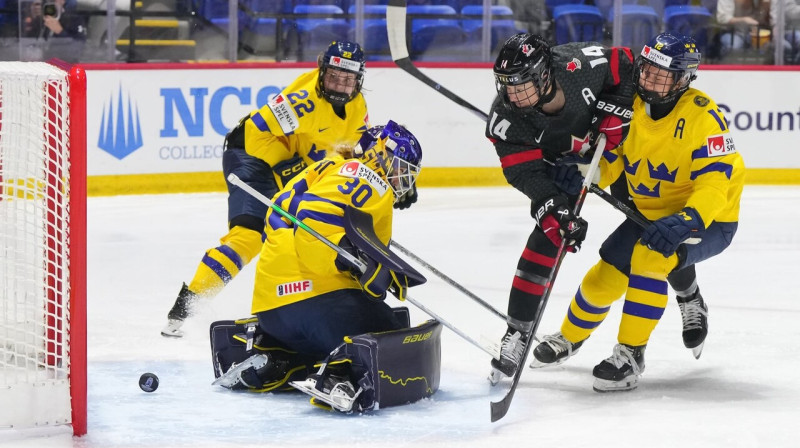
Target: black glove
{"type": "Point", "coordinates": [566, 176]}
{"type": "Point", "coordinates": [613, 114]}
{"type": "Point", "coordinates": [408, 198]}
{"type": "Point", "coordinates": [287, 169]}
{"type": "Point", "coordinates": [558, 222]}
{"type": "Point", "coordinates": [376, 279]}
{"type": "Point", "coordinates": [666, 234]}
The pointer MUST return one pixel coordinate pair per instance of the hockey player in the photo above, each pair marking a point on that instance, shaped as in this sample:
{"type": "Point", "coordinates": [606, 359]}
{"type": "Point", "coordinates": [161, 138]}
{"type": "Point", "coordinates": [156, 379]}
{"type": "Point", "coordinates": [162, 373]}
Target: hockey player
{"type": "Point", "coordinates": [321, 108]}
{"type": "Point", "coordinates": [307, 297]}
{"type": "Point", "coordinates": [684, 174]}
{"type": "Point", "coordinates": [551, 103]}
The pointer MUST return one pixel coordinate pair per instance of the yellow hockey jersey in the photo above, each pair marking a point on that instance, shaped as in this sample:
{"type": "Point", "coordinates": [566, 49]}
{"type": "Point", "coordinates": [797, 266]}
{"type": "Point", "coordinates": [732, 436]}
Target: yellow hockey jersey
{"type": "Point", "coordinates": [686, 159]}
{"type": "Point", "coordinates": [293, 264]}
{"type": "Point", "coordinates": [298, 121]}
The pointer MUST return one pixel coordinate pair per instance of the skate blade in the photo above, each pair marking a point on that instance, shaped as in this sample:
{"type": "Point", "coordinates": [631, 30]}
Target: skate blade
{"type": "Point", "coordinates": [603, 386]}
{"type": "Point", "coordinates": [309, 387]}
{"type": "Point", "coordinates": [697, 351]}
{"type": "Point", "coordinates": [234, 375]}
{"type": "Point", "coordinates": [173, 329]}
{"type": "Point", "coordinates": [495, 376]}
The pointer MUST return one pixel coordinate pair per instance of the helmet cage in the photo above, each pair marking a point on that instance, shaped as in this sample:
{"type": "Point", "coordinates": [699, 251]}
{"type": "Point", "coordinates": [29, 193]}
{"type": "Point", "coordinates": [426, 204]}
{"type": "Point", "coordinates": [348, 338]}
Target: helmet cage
{"type": "Point", "coordinates": [346, 57]}
{"type": "Point", "coordinates": [524, 58]}
{"type": "Point", "coordinates": [393, 153]}
{"type": "Point", "coordinates": [676, 55]}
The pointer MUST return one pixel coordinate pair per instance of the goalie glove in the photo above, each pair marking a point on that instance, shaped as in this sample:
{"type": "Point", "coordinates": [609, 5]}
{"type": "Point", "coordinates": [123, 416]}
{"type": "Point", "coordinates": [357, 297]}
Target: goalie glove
{"type": "Point", "coordinates": [558, 223]}
{"type": "Point", "coordinates": [376, 278]}
{"type": "Point", "coordinates": [613, 114]}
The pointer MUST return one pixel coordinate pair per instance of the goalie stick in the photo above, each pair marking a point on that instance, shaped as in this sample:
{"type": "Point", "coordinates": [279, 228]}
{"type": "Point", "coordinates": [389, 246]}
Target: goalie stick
{"type": "Point", "coordinates": [355, 261]}
{"type": "Point", "coordinates": [450, 281]}
{"type": "Point", "coordinates": [500, 408]}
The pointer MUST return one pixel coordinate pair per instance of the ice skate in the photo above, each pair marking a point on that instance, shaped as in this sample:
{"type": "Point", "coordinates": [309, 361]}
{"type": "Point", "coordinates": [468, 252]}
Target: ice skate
{"type": "Point", "coordinates": [512, 350]}
{"type": "Point", "coordinates": [553, 350]}
{"type": "Point", "coordinates": [238, 374]}
{"type": "Point", "coordinates": [335, 391]}
{"type": "Point", "coordinates": [178, 313]}
{"type": "Point", "coordinates": [694, 313]}
{"type": "Point", "coordinates": [621, 371]}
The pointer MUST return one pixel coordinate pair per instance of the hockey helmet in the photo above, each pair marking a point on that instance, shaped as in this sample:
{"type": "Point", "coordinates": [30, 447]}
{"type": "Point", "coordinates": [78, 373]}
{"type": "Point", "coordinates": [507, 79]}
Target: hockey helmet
{"type": "Point", "coordinates": [393, 152]}
{"type": "Point", "coordinates": [341, 56]}
{"type": "Point", "coordinates": [670, 62]}
{"type": "Point", "coordinates": [524, 58]}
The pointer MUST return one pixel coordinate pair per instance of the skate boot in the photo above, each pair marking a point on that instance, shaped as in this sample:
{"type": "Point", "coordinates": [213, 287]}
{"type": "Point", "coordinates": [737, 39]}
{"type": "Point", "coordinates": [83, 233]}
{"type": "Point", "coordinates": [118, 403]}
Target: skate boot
{"type": "Point", "coordinates": [178, 313]}
{"type": "Point", "coordinates": [620, 371]}
{"type": "Point", "coordinates": [553, 350]}
{"type": "Point", "coordinates": [512, 350]}
{"type": "Point", "coordinates": [695, 322]}
{"type": "Point", "coordinates": [334, 390]}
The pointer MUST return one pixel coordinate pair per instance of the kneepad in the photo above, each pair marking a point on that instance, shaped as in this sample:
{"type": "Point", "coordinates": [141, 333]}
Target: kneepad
{"type": "Point", "coordinates": [234, 341]}
{"type": "Point", "coordinates": [394, 367]}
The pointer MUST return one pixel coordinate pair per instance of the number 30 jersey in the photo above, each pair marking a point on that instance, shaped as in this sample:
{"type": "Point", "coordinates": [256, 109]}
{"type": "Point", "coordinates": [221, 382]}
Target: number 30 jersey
{"type": "Point", "coordinates": [298, 121]}
{"type": "Point", "coordinates": [293, 264]}
{"type": "Point", "coordinates": [524, 141]}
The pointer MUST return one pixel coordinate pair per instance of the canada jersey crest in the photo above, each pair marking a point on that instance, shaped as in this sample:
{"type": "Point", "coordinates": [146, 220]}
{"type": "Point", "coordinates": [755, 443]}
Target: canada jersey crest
{"type": "Point", "coordinates": [574, 64]}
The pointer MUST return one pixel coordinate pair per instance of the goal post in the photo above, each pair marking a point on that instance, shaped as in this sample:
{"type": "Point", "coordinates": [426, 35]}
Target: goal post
{"type": "Point", "coordinates": [43, 236]}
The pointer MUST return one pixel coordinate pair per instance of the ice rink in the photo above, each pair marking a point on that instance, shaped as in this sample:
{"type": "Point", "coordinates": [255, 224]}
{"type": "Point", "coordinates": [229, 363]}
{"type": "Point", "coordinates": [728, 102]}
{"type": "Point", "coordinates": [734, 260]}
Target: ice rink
{"type": "Point", "coordinates": [742, 392]}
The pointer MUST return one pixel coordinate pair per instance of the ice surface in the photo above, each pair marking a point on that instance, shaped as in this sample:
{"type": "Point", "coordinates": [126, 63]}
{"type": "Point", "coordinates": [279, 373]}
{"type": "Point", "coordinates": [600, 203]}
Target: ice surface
{"type": "Point", "coordinates": [742, 392]}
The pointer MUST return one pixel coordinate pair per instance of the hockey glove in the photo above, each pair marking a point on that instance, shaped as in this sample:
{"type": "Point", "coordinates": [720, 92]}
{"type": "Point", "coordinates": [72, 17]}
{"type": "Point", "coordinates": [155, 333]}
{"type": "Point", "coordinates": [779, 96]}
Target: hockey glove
{"type": "Point", "coordinates": [666, 234]}
{"type": "Point", "coordinates": [408, 198]}
{"type": "Point", "coordinates": [567, 177]}
{"type": "Point", "coordinates": [376, 278]}
{"type": "Point", "coordinates": [285, 170]}
{"type": "Point", "coordinates": [612, 117]}
{"type": "Point", "coordinates": [558, 222]}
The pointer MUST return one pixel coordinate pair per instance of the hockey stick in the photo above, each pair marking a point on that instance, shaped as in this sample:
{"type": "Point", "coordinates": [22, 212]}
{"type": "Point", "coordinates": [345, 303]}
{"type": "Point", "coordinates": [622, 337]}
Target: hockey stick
{"type": "Point", "coordinates": [500, 408]}
{"type": "Point", "coordinates": [355, 261]}
{"type": "Point", "coordinates": [396, 30]}
{"type": "Point", "coordinates": [450, 281]}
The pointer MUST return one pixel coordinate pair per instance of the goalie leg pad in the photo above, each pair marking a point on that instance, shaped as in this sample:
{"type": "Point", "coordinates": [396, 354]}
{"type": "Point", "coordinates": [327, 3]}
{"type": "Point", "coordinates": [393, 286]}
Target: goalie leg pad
{"type": "Point", "coordinates": [389, 368]}
{"type": "Point", "coordinates": [245, 357]}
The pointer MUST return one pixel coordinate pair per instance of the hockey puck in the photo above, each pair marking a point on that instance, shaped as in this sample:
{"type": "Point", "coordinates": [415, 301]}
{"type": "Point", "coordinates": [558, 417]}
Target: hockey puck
{"type": "Point", "coordinates": [148, 382]}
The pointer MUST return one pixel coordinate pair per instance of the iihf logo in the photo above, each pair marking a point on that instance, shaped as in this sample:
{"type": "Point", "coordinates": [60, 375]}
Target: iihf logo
{"type": "Point", "coordinates": [120, 128]}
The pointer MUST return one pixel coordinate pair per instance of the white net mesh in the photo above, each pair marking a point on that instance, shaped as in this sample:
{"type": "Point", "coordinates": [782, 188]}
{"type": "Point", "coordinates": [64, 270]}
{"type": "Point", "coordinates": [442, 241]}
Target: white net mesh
{"type": "Point", "coordinates": [34, 231]}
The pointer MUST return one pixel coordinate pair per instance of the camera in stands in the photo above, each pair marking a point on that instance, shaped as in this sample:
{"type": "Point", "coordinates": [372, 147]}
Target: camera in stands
{"type": "Point", "coordinates": [49, 9]}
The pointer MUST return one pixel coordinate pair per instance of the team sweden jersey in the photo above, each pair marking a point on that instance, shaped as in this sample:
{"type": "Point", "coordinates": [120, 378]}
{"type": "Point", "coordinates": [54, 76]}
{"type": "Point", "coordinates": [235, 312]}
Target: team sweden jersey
{"type": "Point", "coordinates": [582, 71]}
{"type": "Point", "coordinates": [298, 121]}
{"type": "Point", "coordinates": [293, 264]}
{"type": "Point", "coordinates": [686, 159]}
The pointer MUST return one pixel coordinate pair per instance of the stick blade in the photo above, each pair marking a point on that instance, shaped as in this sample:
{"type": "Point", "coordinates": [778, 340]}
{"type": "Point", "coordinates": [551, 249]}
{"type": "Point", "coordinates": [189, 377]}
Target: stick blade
{"type": "Point", "coordinates": [499, 409]}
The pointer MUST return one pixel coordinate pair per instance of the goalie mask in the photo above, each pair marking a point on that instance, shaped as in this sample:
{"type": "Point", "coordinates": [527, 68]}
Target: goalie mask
{"type": "Point", "coordinates": [666, 66]}
{"type": "Point", "coordinates": [522, 73]}
{"type": "Point", "coordinates": [393, 152]}
{"type": "Point", "coordinates": [341, 72]}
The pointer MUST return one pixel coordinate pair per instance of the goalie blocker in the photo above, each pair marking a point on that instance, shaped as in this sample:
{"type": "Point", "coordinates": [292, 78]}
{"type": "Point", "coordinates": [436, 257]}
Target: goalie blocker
{"type": "Point", "coordinates": [385, 369]}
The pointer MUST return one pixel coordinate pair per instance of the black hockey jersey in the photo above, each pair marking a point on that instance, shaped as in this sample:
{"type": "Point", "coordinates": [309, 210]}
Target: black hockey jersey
{"type": "Point", "coordinates": [525, 141]}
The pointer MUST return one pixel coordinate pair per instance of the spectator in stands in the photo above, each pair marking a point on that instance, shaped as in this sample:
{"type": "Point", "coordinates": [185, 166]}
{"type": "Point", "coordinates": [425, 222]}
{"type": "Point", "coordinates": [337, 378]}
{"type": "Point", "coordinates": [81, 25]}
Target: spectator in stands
{"type": "Point", "coordinates": [791, 36]}
{"type": "Point", "coordinates": [741, 20]}
{"type": "Point", "coordinates": [54, 18]}
{"type": "Point", "coordinates": [531, 15]}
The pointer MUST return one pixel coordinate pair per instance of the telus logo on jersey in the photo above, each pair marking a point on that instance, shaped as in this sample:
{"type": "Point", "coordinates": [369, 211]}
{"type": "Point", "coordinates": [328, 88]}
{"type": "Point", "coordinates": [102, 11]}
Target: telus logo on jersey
{"type": "Point", "coordinates": [120, 128]}
{"type": "Point", "coordinates": [719, 145]}
{"type": "Point", "coordinates": [297, 287]}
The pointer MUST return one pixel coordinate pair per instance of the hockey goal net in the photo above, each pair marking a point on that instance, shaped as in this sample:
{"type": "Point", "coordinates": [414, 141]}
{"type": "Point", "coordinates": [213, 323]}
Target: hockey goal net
{"type": "Point", "coordinates": [43, 235]}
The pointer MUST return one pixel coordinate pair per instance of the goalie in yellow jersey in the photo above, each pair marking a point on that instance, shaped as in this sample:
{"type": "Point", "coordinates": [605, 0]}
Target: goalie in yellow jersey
{"type": "Point", "coordinates": [321, 108]}
{"type": "Point", "coordinates": [683, 173]}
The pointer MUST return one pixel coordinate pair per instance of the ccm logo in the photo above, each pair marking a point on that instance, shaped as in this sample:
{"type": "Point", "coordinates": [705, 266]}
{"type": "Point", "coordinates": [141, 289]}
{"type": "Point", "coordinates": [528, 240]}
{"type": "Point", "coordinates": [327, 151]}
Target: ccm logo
{"type": "Point", "coordinates": [614, 109]}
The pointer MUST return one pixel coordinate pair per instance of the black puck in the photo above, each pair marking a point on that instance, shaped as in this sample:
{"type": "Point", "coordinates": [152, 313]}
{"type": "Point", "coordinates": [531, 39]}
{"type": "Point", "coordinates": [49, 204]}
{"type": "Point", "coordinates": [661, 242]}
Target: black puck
{"type": "Point", "coordinates": [148, 382]}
